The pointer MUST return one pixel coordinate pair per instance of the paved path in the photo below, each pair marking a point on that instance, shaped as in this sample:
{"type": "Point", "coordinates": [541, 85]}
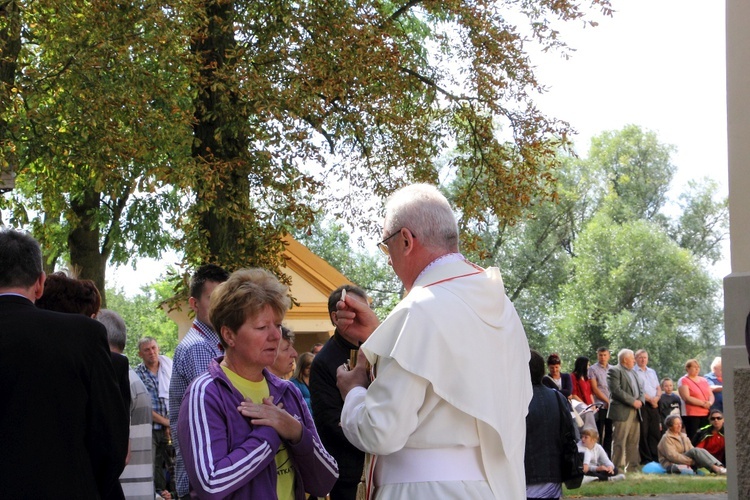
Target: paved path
{"type": "Point", "coordinates": [682, 496]}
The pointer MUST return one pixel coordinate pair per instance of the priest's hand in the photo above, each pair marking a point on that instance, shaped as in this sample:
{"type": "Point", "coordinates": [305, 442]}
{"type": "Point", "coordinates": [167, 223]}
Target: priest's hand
{"type": "Point", "coordinates": [354, 318]}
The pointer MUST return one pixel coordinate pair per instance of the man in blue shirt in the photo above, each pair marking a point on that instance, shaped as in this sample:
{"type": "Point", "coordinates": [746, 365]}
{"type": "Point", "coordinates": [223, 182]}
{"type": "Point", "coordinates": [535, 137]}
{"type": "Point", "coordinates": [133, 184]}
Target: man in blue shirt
{"type": "Point", "coordinates": [192, 356]}
{"type": "Point", "coordinates": [716, 382]}
{"type": "Point", "coordinates": [156, 372]}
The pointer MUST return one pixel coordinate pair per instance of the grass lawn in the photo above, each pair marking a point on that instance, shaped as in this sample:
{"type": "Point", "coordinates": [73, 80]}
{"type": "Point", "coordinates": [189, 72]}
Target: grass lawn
{"type": "Point", "coordinates": [637, 483]}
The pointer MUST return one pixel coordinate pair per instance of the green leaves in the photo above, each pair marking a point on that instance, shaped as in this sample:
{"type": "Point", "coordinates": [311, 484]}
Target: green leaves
{"type": "Point", "coordinates": [101, 119]}
{"type": "Point", "coordinates": [216, 126]}
{"type": "Point", "coordinates": [606, 264]}
{"type": "Point", "coordinates": [637, 170]}
{"type": "Point", "coordinates": [637, 278]}
{"type": "Point", "coordinates": [703, 223]}
{"type": "Point", "coordinates": [632, 286]}
{"type": "Point", "coordinates": [144, 317]}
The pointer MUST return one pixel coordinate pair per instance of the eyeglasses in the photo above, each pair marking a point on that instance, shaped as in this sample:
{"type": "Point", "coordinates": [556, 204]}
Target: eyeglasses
{"type": "Point", "coordinates": [384, 248]}
{"type": "Point", "coordinates": [716, 418]}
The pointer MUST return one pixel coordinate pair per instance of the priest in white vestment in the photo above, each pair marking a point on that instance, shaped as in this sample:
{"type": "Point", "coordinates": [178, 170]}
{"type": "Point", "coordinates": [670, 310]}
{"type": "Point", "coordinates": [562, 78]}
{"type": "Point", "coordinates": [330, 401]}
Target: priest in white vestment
{"type": "Point", "coordinates": [444, 415]}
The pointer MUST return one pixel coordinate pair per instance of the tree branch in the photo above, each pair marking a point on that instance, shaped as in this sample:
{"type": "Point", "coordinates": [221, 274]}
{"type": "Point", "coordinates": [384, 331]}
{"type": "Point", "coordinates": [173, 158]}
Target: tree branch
{"type": "Point", "coordinates": [432, 83]}
{"type": "Point", "coordinates": [529, 274]}
{"type": "Point", "coordinates": [403, 9]}
{"type": "Point", "coordinates": [117, 210]}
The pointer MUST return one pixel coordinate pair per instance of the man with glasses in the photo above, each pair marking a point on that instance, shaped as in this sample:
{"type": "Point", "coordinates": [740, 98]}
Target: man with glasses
{"type": "Point", "coordinates": [711, 437]}
{"type": "Point", "coordinates": [433, 418]}
{"type": "Point", "coordinates": [625, 402]}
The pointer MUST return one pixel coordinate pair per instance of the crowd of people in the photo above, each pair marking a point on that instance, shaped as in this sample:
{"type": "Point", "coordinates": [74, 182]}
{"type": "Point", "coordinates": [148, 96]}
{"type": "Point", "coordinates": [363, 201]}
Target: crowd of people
{"type": "Point", "coordinates": [637, 419]}
{"type": "Point", "coordinates": [403, 408]}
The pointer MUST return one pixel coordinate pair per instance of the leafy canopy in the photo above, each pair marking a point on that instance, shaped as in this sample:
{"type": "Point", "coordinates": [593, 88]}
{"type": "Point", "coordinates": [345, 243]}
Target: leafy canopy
{"type": "Point", "coordinates": [612, 262]}
{"type": "Point", "coordinates": [216, 126]}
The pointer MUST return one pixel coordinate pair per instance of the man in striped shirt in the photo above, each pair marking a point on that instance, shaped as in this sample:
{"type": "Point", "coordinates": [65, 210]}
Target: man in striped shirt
{"type": "Point", "coordinates": [192, 356]}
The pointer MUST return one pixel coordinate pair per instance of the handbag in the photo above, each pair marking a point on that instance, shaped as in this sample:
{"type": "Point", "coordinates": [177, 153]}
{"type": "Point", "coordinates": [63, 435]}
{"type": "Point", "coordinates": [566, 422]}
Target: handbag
{"type": "Point", "coordinates": [571, 463]}
{"type": "Point", "coordinates": [576, 417]}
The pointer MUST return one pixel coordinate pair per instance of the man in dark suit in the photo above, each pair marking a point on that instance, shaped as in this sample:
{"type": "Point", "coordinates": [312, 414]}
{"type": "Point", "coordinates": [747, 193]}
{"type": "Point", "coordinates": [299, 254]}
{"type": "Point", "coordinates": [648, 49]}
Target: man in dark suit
{"type": "Point", "coordinates": [625, 401]}
{"type": "Point", "coordinates": [63, 425]}
{"type": "Point", "coordinates": [327, 402]}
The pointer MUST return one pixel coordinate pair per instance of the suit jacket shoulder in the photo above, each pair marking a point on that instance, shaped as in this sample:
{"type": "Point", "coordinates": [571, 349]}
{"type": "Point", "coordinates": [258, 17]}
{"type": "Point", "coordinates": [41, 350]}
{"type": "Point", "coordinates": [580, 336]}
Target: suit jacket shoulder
{"type": "Point", "coordinates": [61, 361]}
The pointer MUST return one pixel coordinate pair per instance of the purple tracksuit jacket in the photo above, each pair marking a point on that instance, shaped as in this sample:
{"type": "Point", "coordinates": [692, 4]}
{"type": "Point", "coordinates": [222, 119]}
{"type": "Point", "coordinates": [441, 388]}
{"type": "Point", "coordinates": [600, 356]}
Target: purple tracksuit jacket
{"type": "Point", "coordinates": [228, 457]}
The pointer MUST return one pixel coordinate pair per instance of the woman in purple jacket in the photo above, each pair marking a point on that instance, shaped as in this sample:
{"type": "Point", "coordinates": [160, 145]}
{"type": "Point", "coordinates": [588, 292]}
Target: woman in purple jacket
{"type": "Point", "coordinates": [248, 433]}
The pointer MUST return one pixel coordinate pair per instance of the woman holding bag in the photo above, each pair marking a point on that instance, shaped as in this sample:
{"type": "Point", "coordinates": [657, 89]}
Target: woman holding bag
{"type": "Point", "coordinates": [547, 422]}
{"type": "Point", "coordinates": [696, 393]}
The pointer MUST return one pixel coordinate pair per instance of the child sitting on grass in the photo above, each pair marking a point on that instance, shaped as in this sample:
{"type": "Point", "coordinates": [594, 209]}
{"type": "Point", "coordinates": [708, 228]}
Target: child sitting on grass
{"type": "Point", "coordinates": [600, 467]}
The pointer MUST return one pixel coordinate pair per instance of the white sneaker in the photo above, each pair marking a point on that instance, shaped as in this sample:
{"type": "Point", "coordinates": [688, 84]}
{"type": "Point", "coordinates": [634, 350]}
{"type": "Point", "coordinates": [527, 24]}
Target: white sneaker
{"type": "Point", "coordinates": [722, 471]}
{"type": "Point", "coordinates": [589, 479]}
{"type": "Point", "coordinates": [618, 477]}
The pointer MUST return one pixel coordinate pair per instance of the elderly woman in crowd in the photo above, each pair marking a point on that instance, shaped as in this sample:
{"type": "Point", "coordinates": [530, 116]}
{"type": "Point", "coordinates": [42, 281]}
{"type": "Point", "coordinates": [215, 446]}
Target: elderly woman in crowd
{"type": "Point", "coordinates": [698, 397]}
{"type": "Point", "coordinates": [676, 452]}
{"type": "Point", "coordinates": [63, 293]}
{"type": "Point", "coordinates": [246, 433]}
{"type": "Point", "coordinates": [716, 383]}
{"type": "Point", "coordinates": [283, 365]}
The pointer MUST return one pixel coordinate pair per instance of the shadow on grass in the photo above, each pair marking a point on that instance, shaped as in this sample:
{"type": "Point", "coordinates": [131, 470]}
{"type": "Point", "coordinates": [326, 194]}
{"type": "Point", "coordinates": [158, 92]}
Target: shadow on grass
{"type": "Point", "coordinates": [639, 484]}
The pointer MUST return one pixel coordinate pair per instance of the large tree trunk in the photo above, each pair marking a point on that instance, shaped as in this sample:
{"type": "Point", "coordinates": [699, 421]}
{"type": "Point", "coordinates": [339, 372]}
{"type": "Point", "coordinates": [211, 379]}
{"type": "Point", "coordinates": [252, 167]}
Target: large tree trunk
{"type": "Point", "coordinates": [220, 144]}
{"type": "Point", "coordinates": [84, 240]}
{"type": "Point", "coordinates": [223, 227]}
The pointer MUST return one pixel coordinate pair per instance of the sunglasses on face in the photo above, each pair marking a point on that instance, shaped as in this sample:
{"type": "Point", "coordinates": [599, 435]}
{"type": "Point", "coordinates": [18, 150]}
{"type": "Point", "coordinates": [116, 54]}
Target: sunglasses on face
{"type": "Point", "coordinates": [716, 418]}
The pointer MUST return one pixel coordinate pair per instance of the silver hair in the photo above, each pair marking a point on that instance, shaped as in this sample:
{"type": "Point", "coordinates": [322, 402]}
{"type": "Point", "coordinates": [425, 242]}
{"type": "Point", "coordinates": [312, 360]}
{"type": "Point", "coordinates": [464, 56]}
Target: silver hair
{"type": "Point", "coordinates": [146, 340]}
{"type": "Point", "coordinates": [116, 329]}
{"type": "Point", "coordinates": [670, 420]}
{"type": "Point", "coordinates": [423, 210]}
{"type": "Point", "coordinates": [623, 353]}
{"type": "Point", "coordinates": [716, 362]}
{"type": "Point", "coordinates": [287, 334]}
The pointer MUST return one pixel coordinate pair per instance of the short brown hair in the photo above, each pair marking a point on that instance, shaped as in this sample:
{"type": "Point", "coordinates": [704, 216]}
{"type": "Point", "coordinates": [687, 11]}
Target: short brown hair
{"type": "Point", "coordinates": [244, 295]}
{"type": "Point", "coordinates": [207, 272]}
{"type": "Point", "coordinates": [691, 362]}
{"type": "Point", "coordinates": [670, 420]}
{"type": "Point", "coordinates": [63, 293]}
